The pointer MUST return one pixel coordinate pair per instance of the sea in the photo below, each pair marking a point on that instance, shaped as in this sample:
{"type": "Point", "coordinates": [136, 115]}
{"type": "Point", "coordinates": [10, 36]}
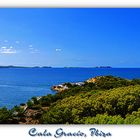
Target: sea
{"type": "Point", "coordinates": [18, 85]}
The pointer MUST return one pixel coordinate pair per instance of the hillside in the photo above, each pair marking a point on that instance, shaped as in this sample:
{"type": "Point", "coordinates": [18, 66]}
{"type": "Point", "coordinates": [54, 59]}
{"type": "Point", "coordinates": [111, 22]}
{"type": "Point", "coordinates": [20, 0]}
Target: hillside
{"type": "Point", "coordinates": [100, 100]}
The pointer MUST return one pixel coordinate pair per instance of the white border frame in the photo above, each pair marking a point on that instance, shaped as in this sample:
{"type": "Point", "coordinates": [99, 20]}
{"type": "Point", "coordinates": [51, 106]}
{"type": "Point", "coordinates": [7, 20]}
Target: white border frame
{"type": "Point", "coordinates": [70, 3]}
{"type": "Point", "coordinates": [17, 132]}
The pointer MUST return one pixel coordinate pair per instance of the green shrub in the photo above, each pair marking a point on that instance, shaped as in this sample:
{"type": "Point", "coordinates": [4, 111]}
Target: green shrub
{"type": "Point", "coordinates": [133, 118]}
{"type": "Point", "coordinates": [117, 102]}
{"type": "Point", "coordinates": [104, 119]}
{"type": "Point", "coordinates": [30, 104]}
{"type": "Point", "coordinates": [5, 116]}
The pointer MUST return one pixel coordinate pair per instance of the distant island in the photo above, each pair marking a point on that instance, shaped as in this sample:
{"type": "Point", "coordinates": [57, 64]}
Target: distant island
{"type": "Point", "coordinates": [24, 67]}
{"type": "Point", "coordinates": [91, 67]}
{"type": "Point", "coordinates": [103, 67]}
{"type": "Point", "coordinates": [13, 66]}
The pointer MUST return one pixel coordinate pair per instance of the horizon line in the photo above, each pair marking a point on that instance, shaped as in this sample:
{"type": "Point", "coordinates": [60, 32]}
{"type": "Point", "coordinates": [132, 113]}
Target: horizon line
{"type": "Point", "coordinates": [22, 66]}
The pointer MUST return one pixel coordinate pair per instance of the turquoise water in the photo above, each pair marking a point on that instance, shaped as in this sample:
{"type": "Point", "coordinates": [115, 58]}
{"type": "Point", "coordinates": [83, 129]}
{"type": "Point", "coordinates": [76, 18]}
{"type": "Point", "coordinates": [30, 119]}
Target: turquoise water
{"type": "Point", "coordinates": [17, 85]}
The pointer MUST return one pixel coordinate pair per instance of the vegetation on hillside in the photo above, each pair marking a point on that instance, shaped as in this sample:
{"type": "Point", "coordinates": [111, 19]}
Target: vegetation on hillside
{"type": "Point", "coordinates": [108, 100]}
{"type": "Point", "coordinates": [100, 107]}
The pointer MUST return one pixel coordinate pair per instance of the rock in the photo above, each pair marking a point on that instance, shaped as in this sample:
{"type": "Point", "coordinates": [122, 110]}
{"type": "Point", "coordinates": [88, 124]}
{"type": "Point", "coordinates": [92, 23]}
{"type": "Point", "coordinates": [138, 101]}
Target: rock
{"type": "Point", "coordinates": [59, 88]}
{"type": "Point", "coordinates": [91, 80]}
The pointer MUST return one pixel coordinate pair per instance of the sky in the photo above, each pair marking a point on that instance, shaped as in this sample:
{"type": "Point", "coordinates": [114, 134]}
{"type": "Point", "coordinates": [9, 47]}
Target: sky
{"type": "Point", "coordinates": [70, 37]}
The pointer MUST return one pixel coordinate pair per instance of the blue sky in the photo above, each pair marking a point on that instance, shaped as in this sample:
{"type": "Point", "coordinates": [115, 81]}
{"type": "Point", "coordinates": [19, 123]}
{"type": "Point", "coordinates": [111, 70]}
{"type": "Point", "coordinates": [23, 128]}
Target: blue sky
{"type": "Point", "coordinates": [70, 37]}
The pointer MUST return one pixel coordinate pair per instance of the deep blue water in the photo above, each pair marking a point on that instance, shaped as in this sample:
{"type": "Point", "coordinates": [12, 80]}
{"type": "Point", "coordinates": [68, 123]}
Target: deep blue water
{"type": "Point", "coordinates": [17, 85]}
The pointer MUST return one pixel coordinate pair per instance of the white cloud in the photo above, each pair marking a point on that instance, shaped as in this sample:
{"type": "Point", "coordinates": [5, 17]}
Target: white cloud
{"type": "Point", "coordinates": [58, 50]}
{"type": "Point", "coordinates": [17, 42]}
{"type": "Point", "coordinates": [34, 51]}
{"type": "Point", "coordinates": [5, 41]}
{"type": "Point", "coordinates": [3, 47]}
{"type": "Point", "coordinates": [30, 46]}
{"type": "Point", "coordinates": [7, 50]}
